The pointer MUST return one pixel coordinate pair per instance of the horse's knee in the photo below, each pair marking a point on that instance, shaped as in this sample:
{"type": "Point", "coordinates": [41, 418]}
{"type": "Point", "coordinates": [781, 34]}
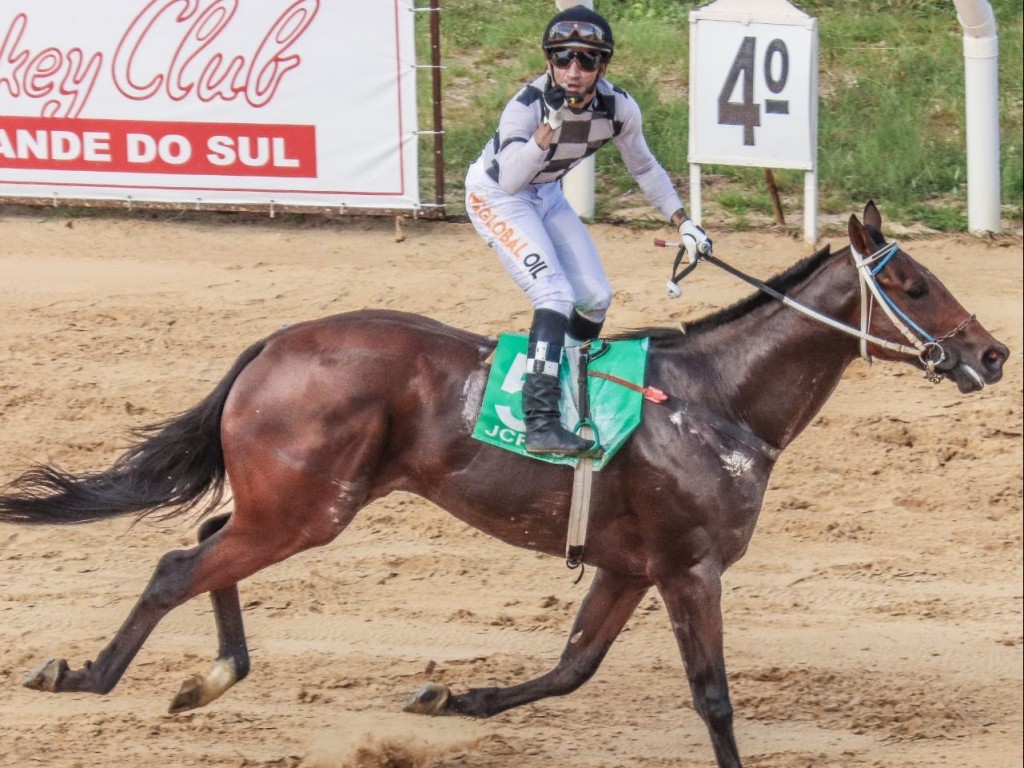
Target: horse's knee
{"type": "Point", "coordinates": [713, 704]}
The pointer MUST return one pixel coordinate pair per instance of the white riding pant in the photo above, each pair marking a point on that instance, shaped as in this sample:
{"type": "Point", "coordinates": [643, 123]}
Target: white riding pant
{"type": "Point", "coordinates": [542, 245]}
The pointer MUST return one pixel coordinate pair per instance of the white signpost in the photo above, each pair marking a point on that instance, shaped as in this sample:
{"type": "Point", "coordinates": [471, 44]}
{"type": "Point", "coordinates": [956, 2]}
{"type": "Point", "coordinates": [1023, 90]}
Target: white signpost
{"type": "Point", "coordinates": [754, 93]}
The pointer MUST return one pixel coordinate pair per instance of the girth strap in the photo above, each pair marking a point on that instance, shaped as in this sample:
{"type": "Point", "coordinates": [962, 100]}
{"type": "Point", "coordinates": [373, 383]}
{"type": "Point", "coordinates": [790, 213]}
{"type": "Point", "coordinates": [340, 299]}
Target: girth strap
{"type": "Point", "coordinates": [583, 476]}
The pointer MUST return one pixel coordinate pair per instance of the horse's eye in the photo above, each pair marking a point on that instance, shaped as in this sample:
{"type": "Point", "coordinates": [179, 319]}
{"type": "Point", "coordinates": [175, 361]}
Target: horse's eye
{"type": "Point", "coordinates": [917, 291]}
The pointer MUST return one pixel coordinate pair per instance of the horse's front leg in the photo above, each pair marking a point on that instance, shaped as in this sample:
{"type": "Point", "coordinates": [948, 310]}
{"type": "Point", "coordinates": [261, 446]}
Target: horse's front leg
{"type": "Point", "coordinates": [606, 608]}
{"type": "Point", "coordinates": [693, 600]}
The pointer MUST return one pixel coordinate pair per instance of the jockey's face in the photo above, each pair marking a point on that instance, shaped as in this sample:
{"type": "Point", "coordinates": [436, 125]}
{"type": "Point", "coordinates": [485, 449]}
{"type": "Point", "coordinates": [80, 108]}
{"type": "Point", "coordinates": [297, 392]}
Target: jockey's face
{"type": "Point", "coordinates": [577, 70]}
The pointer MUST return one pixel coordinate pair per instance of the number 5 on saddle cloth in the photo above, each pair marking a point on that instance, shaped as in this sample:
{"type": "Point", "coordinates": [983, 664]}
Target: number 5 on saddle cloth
{"type": "Point", "coordinates": [614, 408]}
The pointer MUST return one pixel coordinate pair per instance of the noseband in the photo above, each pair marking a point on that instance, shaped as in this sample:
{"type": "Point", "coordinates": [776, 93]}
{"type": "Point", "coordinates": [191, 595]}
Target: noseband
{"type": "Point", "coordinates": [927, 348]}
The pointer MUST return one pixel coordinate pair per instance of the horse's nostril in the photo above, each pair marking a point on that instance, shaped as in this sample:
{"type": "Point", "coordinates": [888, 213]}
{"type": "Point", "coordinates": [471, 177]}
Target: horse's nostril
{"type": "Point", "coordinates": [995, 356]}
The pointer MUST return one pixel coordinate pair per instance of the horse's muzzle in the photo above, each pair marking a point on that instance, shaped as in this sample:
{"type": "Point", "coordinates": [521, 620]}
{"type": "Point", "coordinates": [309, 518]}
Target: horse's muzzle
{"type": "Point", "coordinates": [973, 372]}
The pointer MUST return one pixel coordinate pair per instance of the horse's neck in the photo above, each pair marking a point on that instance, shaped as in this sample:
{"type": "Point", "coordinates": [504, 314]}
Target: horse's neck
{"type": "Point", "coordinates": [773, 369]}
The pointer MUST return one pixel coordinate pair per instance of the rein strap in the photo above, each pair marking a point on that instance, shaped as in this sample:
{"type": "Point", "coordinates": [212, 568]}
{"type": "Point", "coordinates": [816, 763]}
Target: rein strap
{"type": "Point", "coordinates": [653, 394]}
{"type": "Point", "coordinates": [920, 349]}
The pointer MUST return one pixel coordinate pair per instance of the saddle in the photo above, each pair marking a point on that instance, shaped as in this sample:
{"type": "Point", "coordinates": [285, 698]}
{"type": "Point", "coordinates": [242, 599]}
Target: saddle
{"type": "Point", "coordinates": [609, 404]}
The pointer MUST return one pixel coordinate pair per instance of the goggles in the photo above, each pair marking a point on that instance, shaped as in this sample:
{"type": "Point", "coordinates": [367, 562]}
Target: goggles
{"type": "Point", "coordinates": [584, 31]}
{"type": "Point", "coordinates": [563, 58]}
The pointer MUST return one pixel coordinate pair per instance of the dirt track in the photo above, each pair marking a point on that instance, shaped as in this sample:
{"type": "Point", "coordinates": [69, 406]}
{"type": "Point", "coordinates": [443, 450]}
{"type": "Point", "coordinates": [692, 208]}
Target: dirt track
{"type": "Point", "coordinates": [876, 620]}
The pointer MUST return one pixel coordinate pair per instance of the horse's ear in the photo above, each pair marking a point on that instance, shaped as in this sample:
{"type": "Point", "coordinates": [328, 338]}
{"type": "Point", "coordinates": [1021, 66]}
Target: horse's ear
{"type": "Point", "coordinates": [872, 218]}
{"type": "Point", "coordinates": [859, 238]}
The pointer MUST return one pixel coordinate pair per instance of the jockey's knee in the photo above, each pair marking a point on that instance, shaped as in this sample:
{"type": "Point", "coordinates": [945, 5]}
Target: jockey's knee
{"type": "Point", "coordinates": [594, 306]}
{"type": "Point", "coordinates": [555, 295]}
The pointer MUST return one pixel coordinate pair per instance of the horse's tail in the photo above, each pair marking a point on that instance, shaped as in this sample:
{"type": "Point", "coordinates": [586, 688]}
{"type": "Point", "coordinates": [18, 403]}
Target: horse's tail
{"type": "Point", "coordinates": [173, 466]}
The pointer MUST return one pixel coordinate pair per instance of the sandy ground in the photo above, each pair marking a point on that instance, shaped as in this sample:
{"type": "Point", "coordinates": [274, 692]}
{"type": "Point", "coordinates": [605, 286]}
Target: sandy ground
{"type": "Point", "coordinates": [876, 620]}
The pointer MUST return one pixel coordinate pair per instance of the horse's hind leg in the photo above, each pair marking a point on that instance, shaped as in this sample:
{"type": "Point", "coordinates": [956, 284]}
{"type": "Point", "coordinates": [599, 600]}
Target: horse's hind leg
{"type": "Point", "coordinates": [232, 664]}
{"type": "Point", "coordinates": [216, 565]}
{"type": "Point", "coordinates": [168, 587]}
{"type": "Point", "coordinates": [605, 610]}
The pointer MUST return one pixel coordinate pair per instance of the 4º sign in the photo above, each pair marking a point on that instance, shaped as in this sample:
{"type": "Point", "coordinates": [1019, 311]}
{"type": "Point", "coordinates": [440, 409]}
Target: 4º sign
{"type": "Point", "coordinates": [747, 112]}
{"type": "Point", "coordinates": [753, 85]}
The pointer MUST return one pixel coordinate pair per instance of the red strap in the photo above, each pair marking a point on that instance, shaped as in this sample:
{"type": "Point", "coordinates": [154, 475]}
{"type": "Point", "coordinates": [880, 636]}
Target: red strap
{"type": "Point", "coordinates": [653, 394]}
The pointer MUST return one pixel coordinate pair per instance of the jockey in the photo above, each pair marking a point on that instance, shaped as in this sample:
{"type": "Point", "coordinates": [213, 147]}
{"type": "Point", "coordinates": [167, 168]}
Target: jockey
{"type": "Point", "coordinates": [515, 201]}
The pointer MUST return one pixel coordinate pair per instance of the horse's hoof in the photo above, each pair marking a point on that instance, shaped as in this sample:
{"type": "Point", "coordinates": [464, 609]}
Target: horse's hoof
{"type": "Point", "coordinates": [430, 699]}
{"type": "Point", "coordinates": [189, 696]}
{"type": "Point", "coordinates": [46, 676]}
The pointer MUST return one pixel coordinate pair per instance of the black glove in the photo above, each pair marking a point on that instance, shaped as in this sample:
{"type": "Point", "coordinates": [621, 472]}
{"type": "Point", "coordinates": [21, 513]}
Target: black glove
{"type": "Point", "coordinates": [554, 107]}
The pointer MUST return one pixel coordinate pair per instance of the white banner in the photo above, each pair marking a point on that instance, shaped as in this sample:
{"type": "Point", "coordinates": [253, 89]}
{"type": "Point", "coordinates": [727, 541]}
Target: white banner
{"type": "Point", "coordinates": [295, 102]}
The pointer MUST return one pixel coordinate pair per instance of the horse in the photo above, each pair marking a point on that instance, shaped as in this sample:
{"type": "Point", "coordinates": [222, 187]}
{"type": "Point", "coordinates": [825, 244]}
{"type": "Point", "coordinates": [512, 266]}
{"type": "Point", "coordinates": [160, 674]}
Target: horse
{"type": "Point", "coordinates": [321, 418]}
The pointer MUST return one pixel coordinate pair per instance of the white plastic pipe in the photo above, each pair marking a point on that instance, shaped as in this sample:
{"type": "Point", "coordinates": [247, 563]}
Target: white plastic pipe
{"type": "Point", "coordinates": [578, 184]}
{"type": "Point", "coordinates": [981, 84]}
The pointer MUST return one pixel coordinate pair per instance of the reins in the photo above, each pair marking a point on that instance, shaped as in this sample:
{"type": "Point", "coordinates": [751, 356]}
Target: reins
{"type": "Point", "coordinates": [923, 345]}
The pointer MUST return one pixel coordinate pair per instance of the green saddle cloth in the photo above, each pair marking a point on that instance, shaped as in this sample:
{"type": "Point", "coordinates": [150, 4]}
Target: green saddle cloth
{"type": "Point", "coordinates": [614, 409]}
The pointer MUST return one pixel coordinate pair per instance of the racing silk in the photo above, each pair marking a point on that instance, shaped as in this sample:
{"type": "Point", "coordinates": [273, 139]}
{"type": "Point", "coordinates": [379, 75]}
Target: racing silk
{"type": "Point", "coordinates": [513, 160]}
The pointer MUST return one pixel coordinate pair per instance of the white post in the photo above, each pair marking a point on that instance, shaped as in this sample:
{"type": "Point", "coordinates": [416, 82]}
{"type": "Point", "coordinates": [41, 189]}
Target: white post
{"type": "Point", "coordinates": [695, 202]}
{"type": "Point", "coordinates": [578, 184]}
{"type": "Point", "coordinates": [811, 207]}
{"type": "Point", "coordinates": [981, 85]}
{"type": "Point", "coordinates": [811, 176]}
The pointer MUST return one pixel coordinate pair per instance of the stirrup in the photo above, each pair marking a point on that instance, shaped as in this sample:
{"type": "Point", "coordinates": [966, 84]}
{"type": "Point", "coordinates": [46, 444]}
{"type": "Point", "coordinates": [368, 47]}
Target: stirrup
{"type": "Point", "coordinates": [596, 451]}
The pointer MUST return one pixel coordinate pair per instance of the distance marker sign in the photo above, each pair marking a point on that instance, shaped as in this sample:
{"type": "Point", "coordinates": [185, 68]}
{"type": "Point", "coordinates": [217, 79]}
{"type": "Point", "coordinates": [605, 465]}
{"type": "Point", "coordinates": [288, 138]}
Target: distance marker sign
{"type": "Point", "coordinates": [753, 85]}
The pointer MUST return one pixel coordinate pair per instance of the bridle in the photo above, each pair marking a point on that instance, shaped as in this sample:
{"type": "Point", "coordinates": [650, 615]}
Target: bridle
{"type": "Point", "coordinates": [922, 345]}
{"type": "Point", "coordinates": [927, 348]}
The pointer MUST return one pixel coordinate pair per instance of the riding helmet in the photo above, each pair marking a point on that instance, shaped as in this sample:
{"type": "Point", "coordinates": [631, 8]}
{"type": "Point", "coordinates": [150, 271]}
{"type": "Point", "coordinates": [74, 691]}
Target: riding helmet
{"type": "Point", "coordinates": [579, 27]}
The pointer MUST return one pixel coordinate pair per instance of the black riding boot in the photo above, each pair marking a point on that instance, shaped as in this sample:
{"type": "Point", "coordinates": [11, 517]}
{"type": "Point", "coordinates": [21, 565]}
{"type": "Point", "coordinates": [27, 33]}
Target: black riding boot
{"type": "Point", "coordinates": [544, 431]}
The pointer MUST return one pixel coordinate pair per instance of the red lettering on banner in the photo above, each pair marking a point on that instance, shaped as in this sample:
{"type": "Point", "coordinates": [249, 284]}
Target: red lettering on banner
{"type": "Point", "coordinates": [199, 149]}
{"type": "Point", "coordinates": [184, 65]}
{"type": "Point", "coordinates": [64, 79]}
{"type": "Point", "coordinates": [171, 46]}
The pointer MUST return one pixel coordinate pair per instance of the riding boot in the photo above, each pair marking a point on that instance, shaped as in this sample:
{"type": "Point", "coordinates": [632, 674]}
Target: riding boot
{"type": "Point", "coordinates": [544, 431]}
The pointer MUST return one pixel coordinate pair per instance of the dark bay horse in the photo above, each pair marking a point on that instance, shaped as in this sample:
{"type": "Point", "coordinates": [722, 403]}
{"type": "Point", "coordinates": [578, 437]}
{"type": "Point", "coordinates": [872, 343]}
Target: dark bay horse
{"type": "Point", "coordinates": [319, 419]}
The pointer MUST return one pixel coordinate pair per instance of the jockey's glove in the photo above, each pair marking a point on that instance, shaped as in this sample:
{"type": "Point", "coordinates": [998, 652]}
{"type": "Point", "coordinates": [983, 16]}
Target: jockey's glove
{"type": "Point", "coordinates": [694, 241]}
{"type": "Point", "coordinates": [554, 107]}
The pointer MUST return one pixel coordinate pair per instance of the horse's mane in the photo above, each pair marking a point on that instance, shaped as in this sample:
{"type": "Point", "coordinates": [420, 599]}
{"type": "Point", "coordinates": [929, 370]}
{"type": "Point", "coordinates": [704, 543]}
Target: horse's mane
{"type": "Point", "coordinates": [782, 282]}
